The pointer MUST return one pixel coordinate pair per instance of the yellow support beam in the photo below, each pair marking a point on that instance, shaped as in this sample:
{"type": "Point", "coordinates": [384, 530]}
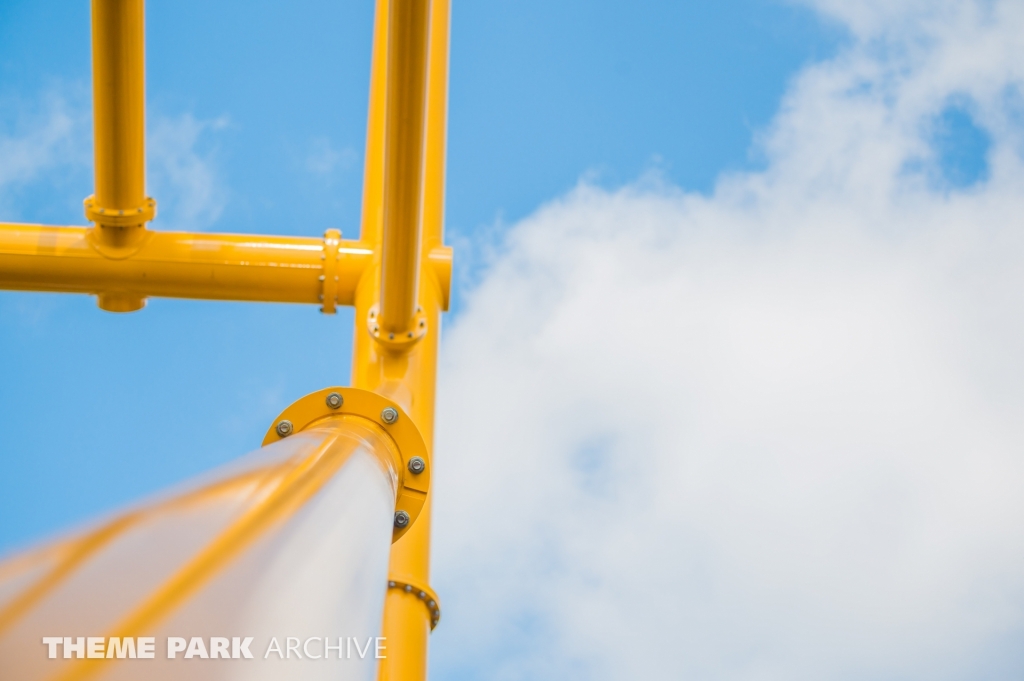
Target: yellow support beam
{"type": "Point", "coordinates": [406, 85]}
{"type": "Point", "coordinates": [421, 270]}
{"type": "Point", "coordinates": [120, 206]}
{"type": "Point", "coordinates": [397, 275]}
{"type": "Point", "coordinates": [180, 265]}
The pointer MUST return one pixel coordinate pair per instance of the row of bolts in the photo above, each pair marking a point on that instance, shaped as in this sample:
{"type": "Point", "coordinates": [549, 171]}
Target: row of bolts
{"type": "Point", "coordinates": [389, 415]}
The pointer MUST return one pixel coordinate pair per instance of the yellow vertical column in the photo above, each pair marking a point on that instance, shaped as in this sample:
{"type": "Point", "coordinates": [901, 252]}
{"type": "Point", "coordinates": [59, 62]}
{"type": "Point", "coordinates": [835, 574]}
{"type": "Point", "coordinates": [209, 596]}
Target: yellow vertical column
{"type": "Point", "coordinates": [408, 29]}
{"type": "Point", "coordinates": [406, 375]}
{"type": "Point", "coordinates": [120, 207]}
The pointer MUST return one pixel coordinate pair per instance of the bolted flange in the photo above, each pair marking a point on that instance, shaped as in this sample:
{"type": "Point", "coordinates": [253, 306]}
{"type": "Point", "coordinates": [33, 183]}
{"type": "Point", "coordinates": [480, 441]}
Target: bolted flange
{"type": "Point", "coordinates": [318, 408]}
{"type": "Point", "coordinates": [396, 341]}
{"type": "Point", "coordinates": [115, 217]}
{"type": "Point", "coordinates": [329, 279]}
{"type": "Point", "coordinates": [420, 591]}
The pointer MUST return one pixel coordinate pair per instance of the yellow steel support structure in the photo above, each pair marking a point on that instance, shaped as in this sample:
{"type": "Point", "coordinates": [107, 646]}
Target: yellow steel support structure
{"type": "Point", "coordinates": [397, 275]}
{"type": "Point", "coordinates": [405, 373]}
{"type": "Point", "coordinates": [119, 109]}
{"type": "Point", "coordinates": [179, 265]}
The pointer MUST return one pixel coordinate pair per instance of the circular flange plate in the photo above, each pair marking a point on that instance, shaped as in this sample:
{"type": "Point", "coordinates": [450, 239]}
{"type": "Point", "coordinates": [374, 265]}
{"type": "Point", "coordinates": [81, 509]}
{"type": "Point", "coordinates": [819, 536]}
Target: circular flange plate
{"type": "Point", "coordinates": [396, 341]}
{"type": "Point", "coordinates": [314, 407]}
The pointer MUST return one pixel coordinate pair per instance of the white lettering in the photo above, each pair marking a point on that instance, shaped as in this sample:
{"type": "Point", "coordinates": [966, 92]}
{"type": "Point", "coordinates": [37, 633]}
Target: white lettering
{"type": "Point", "coordinates": [95, 645]}
{"type": "Point", "coordinates": [305, 648]}
{"type": "Point", "coordinates": [175, 644]}
{"type": "Point", "coordinates": [196, 647]}
{"type": "Point", "coordinates": [78, 647]}
{"type": "Point", "coordinates": [121, 647]}
{"type": "Point", "coordinates": [379, 647]}
{"type": "Point", "coordinates": [219, 647]}
{"type": "Point", "coordinates": [275, 647]}
{"type": "Point", "coordinates": [52, 642]}
{"type": "Point", "coordinates": [360, 650]}
{"type": "Point", "coordinates": [288, 643]}
{"type": "Point", "coordinates": [328, 647]}
{"type": "Point", "coordinates": [242, 648]}
{"type": "Point", "coordinates": [147, 644]}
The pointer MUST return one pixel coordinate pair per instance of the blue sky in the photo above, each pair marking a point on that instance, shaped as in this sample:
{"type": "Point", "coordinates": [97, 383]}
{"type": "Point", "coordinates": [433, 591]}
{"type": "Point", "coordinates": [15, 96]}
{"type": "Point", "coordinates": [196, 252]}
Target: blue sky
{"type": "Point", "coordinates": [264, 104]}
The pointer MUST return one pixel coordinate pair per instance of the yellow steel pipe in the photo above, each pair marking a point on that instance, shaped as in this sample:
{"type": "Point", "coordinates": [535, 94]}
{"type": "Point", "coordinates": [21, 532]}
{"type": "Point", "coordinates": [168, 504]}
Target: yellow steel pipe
{"type": "Point", "coordinates": [408, 28]}
{"type": "Point", "coordinates": [178, 265]}
{"type": "Point", "coordinates": [408, 376]}
{"type": "Point", "coordinates": [119, 119]}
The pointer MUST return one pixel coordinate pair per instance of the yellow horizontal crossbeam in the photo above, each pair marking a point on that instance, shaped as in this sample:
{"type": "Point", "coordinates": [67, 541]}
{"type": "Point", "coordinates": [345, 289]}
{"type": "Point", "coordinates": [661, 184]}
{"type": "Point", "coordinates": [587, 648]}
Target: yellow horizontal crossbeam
{"type": "Point", "coordinates": [280, 269]}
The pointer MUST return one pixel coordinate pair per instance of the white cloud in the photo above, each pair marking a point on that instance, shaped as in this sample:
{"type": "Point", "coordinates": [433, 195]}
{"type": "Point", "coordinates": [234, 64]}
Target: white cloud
{"type": "Point", "coordinates": [771, 433]}
{"type": "Point", "coordinates": [322, 159]}
{"type": "Point", "coordinates": [182, 172]}
{"type": "Point", "coordinates": [38, 138]}
{"type": "Point", "coordinates": [45, 145]}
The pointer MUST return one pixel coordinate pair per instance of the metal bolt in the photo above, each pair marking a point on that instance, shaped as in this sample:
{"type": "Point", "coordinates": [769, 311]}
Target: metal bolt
{"type": "Point", "coordinates": [389, 415]}
{"type": "Point", "coordinates": [417, 465]}
{"type": "Point", "coordinates": [284, 428]}
{"type": "Point", "coordinates": [401, 520]}
{"type": "Point", "coordinates": [334, 400]}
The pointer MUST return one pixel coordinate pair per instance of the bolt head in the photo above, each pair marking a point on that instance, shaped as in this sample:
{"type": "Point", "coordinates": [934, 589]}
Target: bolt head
{"type": "Point", "coordinates": [401, 520]}
{"type": "Point", "coordinates": [417, 465]}
{"type": "Point", "coordinates": [334, 400]}
{"type": "Point", "coordinates": [284, 428]}
{"type": "Point", "coordinates": [389, 415]}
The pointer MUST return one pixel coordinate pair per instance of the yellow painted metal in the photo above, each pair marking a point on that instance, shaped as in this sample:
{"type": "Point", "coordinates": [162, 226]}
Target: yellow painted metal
{"type": "Point", "coordinates": [120, 207]}
{"type": "Point", "coordinates": [407, 374]}
{"type": "Point", "coordinates": [406, 86]}
{"type": "Point", "coordinates": [426, 595]}
{"type": "Point", "coordinates": [295, 488]}
{"type": "Point", "coordinates": [119, 118]}
{"type": "Point", "coordinates": [399, 269]}
{"type": "Point", "coordinates": [311, 410]}
{"type": "Point", "coordinates": [180, 265]}
{"type": "Point", "coordinates": [252, 503]}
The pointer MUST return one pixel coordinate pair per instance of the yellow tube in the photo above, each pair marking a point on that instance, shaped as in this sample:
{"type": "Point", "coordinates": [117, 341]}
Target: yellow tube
{"type": "Point", "coordinates": [372, 222]}
{"type": "Point", "coordinates": [177, 265]}
{"type": "Point", "coordinates": [211, 559]}
{"type": "Point", "coordinates": [409, 377]}
{"type": "Point", "coordinates": [408, 27]}
{"type": "Point", "coordinates": [119, 115]}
